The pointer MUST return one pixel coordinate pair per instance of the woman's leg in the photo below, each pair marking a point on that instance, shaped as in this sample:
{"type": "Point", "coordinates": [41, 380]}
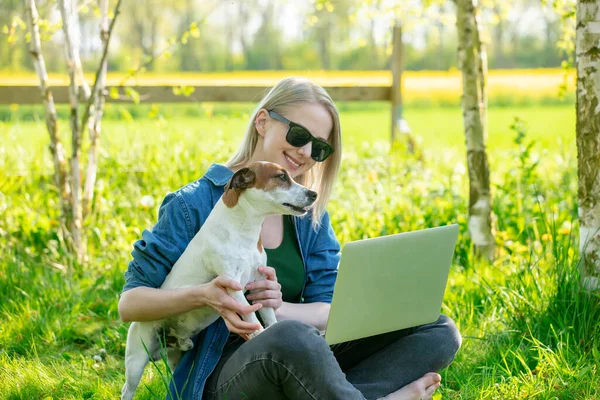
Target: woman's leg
{"type": "Point", "coordinates": [288, 360]}
{"type": "Point", "coordinates": [382, 364]}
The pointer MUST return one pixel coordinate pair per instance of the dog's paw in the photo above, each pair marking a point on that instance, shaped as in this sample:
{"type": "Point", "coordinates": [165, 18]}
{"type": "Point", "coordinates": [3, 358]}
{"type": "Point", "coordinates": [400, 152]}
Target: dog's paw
{"type": "Point", "coordinates": [185, 345]}
{"type": "Point", "coordinates": [255, 334]}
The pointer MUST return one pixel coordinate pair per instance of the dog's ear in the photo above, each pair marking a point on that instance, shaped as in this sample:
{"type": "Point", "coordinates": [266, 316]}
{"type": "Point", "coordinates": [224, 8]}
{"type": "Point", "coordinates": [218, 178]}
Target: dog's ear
{"type": "Point", "coordinates": [242, 179]}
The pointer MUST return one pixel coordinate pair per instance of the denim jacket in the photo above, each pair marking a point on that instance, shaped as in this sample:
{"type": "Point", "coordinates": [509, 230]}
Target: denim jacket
{"type": "Point", "coordinates": [180, 217]}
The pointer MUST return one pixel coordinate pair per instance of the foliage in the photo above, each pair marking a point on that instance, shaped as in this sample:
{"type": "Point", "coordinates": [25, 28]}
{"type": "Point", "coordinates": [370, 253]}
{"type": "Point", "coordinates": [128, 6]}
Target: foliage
{"type": "Point", "coordinates": [257, 35]}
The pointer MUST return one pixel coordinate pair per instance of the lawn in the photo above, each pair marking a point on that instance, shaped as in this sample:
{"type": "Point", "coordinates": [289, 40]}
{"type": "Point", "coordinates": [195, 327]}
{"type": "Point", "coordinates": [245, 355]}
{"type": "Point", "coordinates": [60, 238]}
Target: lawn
{"type": "Point", "coordinates": [528, 330]}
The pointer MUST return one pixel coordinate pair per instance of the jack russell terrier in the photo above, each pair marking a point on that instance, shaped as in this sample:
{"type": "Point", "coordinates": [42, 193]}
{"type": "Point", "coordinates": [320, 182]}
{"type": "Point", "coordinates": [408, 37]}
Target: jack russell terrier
{"type": "Point", "coordinates": [228, 244]}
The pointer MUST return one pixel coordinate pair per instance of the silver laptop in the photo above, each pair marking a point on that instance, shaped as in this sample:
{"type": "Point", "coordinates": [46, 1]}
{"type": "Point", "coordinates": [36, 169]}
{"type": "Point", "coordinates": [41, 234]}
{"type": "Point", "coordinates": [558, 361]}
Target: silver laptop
{"type": "Point", "coordinates": [391, 282]}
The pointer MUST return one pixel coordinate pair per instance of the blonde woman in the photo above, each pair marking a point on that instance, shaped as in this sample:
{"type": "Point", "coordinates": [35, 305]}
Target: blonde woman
{"type": "Point", "coordinates": [297, 126]}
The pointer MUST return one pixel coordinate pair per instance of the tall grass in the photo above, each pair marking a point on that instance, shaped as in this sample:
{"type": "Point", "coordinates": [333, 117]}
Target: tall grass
{"type": "Point", "coordinates": [529, 330]}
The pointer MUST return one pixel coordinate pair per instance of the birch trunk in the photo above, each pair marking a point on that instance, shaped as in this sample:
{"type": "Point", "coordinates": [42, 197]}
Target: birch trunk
{"type": "Point", "coordinates": [56, 148]}
{"type": "Point", "coordinates": [70, 187]}
{"type": "Point", "coordinates": [471, 60]}
{"type": "Point", "coordinates": [94, 124]}
{"type": "Point", "coordinates": [588, 138]}
{"type": "Point", "coordinates": [67, 11]}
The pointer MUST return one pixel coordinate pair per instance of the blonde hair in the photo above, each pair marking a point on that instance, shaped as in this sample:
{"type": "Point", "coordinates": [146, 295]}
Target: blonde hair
{"type": "Point", "coordinates": [321, 177]}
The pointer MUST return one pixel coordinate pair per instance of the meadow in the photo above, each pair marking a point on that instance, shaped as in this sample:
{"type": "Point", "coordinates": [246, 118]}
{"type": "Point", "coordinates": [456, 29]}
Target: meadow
{"type": "Point", "coordinates": [529, 331]}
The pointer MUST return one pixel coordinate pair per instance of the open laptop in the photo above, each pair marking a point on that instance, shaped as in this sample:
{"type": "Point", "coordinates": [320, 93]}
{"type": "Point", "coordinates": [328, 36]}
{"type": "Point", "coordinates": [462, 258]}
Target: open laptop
{"type": "Point", "coordinates": [391, 282]}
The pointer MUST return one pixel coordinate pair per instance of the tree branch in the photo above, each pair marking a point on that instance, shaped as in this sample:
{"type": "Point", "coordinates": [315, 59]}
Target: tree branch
{"type": "Point", "coordinates": [95, 91]}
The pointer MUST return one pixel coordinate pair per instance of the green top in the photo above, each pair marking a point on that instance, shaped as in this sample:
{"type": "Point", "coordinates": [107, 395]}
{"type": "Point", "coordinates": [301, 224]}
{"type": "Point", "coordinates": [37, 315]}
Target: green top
{"type": "Point", "coordinates": [287, 261]}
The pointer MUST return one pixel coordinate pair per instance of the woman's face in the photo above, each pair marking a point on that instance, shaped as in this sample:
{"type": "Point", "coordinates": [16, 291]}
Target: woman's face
{"type": "Point", "coordinates": [272, 145]}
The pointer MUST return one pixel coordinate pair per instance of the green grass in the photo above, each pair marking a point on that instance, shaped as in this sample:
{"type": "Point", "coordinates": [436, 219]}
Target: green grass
{"type": "Point", "coordinates": [529, 331]}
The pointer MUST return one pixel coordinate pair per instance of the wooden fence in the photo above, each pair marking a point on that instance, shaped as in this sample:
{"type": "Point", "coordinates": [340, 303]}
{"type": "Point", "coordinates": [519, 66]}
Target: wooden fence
{"type": "Point", "coordinates": [228, 92]}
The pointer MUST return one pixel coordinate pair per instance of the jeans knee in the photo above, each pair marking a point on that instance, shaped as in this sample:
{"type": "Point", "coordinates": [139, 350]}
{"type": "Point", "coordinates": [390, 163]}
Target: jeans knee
{"type": "Point", "coordinates": [290, 339]}
{"type": "Point", "coordinates": [450, 338]}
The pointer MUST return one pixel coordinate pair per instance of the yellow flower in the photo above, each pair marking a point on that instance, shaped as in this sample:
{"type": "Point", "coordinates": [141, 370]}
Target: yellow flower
{"type": "Point", "coordinates": [546, 237]}
{"type": "Point", "coordinates": [372, 177]}
{"type": "Point", "coordinates": [565, 229]}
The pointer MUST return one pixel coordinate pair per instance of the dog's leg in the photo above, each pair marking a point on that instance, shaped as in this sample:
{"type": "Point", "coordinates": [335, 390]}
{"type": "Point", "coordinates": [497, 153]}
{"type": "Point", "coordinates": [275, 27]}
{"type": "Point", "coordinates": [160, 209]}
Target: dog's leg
{"type": "Point", "coordinates": [239, 297]}
{"type": "Point", "coordinates": [173, 357]}
{"type": "Point", "coordinates": [267, 314]}
{"type": "Point", "coordinates": [136, 357]}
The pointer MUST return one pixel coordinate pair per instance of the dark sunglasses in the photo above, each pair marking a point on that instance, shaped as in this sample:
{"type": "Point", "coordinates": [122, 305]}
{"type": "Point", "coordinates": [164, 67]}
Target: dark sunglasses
{"type": "Point", "coordinates": [298, 136]}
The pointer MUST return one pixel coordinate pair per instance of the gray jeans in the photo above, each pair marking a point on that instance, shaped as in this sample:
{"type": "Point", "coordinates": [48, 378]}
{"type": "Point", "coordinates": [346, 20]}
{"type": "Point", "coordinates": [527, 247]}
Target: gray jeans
{"type": "Point", "coordinates": [291, 361]}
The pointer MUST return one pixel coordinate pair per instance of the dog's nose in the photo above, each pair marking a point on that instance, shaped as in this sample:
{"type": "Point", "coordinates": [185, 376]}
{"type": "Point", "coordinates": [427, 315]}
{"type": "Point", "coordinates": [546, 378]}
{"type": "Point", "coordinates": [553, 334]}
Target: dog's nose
{"type": "Point", "coordinates": [311, 195]}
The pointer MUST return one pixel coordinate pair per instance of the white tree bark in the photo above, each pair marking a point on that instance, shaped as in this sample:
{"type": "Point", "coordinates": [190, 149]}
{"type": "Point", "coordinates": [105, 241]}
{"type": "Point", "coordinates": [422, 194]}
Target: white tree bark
{"type": "Point", "coordinates": [56, 147]}
{"type": "Point", "coordinates": [587, 50]}
{"type": "Point", "coordinates": [94, 123]}
{"type": "Point", "coordinates": [67, 11]}
{"type": "Point", "coordinates": [471, 60]}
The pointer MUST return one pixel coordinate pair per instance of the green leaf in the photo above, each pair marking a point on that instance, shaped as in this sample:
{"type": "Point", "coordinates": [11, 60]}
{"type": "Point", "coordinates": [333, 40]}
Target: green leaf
{"type": "Point", "coordinates": [125, 114]}
{"type": "Point", "coordinates": [135, 96]}
{"type": "Point", "coordinates": [114, 93]}
{"type": "Point", "coordinates": [187, 90]}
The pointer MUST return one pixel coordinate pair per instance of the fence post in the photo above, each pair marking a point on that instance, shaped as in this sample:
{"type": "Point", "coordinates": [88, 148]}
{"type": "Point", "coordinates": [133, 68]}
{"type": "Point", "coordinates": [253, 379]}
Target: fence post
{"type": "Point", "coordinates": [399, 125]}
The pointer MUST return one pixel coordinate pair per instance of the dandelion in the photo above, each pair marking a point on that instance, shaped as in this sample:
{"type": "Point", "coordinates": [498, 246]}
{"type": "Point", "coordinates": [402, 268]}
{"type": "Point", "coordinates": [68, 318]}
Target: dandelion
{"type": "Point", "coordinates": [565, 229]}
{"type": "Point", "coordinates": [546, 237]}
{"type": "Point", "coordinates": [147, 201]}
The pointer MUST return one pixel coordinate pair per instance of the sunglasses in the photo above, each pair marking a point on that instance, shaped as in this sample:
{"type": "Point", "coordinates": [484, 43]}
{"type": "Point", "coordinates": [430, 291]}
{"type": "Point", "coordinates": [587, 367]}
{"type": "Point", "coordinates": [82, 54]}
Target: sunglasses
{"type": "Point", "coordinates": [298, 136]}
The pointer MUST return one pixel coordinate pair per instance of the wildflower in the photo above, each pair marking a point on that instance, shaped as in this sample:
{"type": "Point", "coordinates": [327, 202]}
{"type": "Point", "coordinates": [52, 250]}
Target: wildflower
{"type": "Point", "coordinates": [372, 177]}
{"type": "Point", "coordinates": [546, 237]}
{"type": "Point", "coordinates": [147, 201]}
{"type": "Point", "coordinates": [565, 229]}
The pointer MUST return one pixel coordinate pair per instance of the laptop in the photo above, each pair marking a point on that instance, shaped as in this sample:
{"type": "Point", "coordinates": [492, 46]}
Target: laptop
{"type": "Point", "coordinates": [390, 282]}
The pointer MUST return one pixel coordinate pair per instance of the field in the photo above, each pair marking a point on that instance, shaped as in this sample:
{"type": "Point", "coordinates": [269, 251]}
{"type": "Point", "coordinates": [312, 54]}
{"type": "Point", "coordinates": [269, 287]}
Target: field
{"type": "Point", "coordinates": [529, 332]}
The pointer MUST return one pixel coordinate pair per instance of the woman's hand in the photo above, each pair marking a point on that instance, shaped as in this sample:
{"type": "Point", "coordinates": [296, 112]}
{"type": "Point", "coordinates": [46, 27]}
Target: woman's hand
{"type": "Point", "coordinates": [267, 291]}
{"type": "Point", "coordinates": [214, 294]}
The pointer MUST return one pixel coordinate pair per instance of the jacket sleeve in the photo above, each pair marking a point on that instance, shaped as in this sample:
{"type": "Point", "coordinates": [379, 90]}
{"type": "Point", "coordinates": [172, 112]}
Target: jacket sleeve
{"type": "Point", "coordinates": [322, 264]}
{"type": "Point", "coordinates": [158, 250]}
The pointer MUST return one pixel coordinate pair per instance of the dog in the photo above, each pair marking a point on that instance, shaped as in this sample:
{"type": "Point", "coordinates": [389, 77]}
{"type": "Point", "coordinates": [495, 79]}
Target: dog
{"type": "Point", "coordinates": [228, 244]}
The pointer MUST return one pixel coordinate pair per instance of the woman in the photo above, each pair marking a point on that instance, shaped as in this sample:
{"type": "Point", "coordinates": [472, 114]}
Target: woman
{"type": "Point", "coordinates": [297, 126]}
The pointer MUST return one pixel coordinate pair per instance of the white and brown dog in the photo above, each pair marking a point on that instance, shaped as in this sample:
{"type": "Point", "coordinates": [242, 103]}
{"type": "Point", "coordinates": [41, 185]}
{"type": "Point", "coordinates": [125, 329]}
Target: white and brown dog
{"type": "Point", "coordinates": [228, 244]}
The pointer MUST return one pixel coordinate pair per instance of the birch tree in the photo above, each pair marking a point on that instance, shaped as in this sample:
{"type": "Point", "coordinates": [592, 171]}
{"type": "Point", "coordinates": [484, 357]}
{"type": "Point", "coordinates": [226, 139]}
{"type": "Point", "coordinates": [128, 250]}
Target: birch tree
{"type": "Point", "coordinates": [473, 65]}
{"type": "Point", "coordinates": [587, 56]}
{"type": "Point", "coordinates": [75, 203]}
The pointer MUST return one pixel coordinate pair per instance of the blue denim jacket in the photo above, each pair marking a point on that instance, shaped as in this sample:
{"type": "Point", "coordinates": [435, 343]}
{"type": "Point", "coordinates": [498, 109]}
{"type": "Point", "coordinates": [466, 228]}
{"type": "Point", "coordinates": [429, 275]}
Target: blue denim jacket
{"type": "Point", "coordinates": [180, 217]}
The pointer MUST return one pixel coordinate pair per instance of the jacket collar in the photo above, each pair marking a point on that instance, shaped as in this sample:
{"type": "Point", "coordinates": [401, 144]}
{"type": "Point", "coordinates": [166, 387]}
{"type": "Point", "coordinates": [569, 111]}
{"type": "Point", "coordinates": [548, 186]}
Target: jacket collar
{"type": "Point", "coordinates": [218, 174]}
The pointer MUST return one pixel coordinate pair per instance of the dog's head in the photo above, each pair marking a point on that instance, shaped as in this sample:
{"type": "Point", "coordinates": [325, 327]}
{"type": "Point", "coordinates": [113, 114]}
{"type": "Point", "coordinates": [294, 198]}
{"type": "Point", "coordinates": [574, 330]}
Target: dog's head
{"type": "Point", "coordinates": [270, 189]}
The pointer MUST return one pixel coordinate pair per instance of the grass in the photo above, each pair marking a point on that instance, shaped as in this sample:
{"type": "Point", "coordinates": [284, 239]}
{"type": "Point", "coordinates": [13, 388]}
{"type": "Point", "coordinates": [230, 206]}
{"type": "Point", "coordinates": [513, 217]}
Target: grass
{"type": "Point", "coordinates": [528, 329]}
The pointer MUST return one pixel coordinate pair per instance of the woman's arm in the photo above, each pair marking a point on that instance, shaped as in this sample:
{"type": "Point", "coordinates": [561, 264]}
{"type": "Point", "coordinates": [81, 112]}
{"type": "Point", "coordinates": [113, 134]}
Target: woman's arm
{"type": "Point", "coordinates": [149, 304]}
{"type": "Point", "coordinates": [315, 314]}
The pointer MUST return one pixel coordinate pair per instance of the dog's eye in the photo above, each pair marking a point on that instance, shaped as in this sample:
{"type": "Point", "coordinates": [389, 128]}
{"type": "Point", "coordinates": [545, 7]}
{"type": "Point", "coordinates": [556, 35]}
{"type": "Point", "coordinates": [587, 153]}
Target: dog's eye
{"type": "Point", "coordinates": [283, 177]}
